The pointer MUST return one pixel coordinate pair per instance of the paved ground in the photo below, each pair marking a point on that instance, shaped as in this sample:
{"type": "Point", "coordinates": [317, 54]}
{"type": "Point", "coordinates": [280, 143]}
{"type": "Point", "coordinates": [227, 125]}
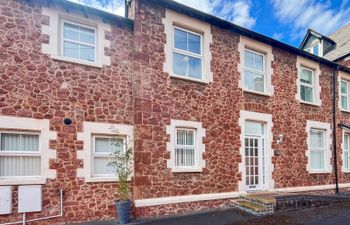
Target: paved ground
{"type": "Point", "coordinates": [331, 215]}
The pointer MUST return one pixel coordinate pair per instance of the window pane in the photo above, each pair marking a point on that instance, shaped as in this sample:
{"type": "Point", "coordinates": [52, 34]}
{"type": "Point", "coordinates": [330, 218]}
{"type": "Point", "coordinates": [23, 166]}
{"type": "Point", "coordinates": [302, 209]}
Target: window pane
{"type": "Point", "coordinates": [117, 144]}
{"type": "Point", "coordinates": [71, 31]}
{"type": "Point", "coordinates": [181, 137]}
{"type": "Point", "coordinates": [184, 157]}
{"type": "Point", "coordinates": [10, 166]}
{"type": "Point", "coordinates": [194, 67]}
{"type": "Point", "coordinates": [179, 64]}
{"type": "Point", "coordinates": [103, 145]}
{"type": "Point", "coordinates": [189, 137]}
{"type": "Point", "coordinates": [194, 43]}
{"type": "Point", "coordinates": [30, 142]}
{"type": "Point", "coordinates": [346, 160]}
{"type": "Point", "coordinates": [180, 39]}
{"type": "Point", "coordinates": [346, 142]}
{"type": "Point", "coordinates": [87, 35]}
{"type": "Point", "coordinates": [253, 128]}
{"type": "Point", "coordinates": [254, 81]}
{"type": "Point", "coordinates": [258, 62]}
{"type": "Point", "coordinates": [71, 50]}
{"type": "Point", "coordinates": [344, 87]}
{"type": "Point", "coordinates": [87, 53]}
{"type": "Point", "coordinates": [317, 160]}
{"type": "Point", "coordinates": [31, 166]}
{"type": "Point", "coordinates": [306, 93]}
{"type": "Point", "coordinates": [254, 60]}
{"type": "Point", "coordinates": [101, 167]}
{"type": "Point", "coordinates": [315, 49]}
{"type": "Point", "coordinates": [249, 59]}
{"type": "Point", "coordinates": [306, 76]}
{"type": "Point", "coordinates": [10, 142]}
{"type": "Point", "coordinates": [317, 139]}
{"type": "Point", "coordinates": [344, 102]}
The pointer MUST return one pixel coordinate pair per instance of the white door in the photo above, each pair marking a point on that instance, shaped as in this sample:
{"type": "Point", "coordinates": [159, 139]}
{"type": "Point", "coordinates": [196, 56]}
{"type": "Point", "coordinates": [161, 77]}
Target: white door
{"type": "Point", "coordinates": [254, 155]}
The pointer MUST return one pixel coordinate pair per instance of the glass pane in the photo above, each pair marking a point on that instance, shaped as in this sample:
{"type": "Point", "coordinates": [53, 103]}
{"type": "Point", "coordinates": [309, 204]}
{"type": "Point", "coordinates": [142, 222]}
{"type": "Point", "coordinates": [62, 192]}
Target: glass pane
{"type": "Point", "coordinates": [315, 49]}
{"type": "Point", "coordinates": [101, 167]}
{"type": "Point", "coordinates": [258, 62]}
{"type": "Point", "coordinates": [87, 35]}
{"type": "Point", "coordinates": [179, 64]}
{"type": "Point", "coordinates": [180, 39]}
{"type": "Point", "coordinates": [71, 50]}
{"type": "Point", "coordinates": [306, 93]}
{"type": "Point", "coordinates": [254, 60]}
{"type": "Point", "coordinates": [71, 31]}
{"type": "Point", "coordinates": [189, 137]}
{"type": "Point", "coordinates": [344, 87]}
{"type": "Point", "coordinates": [10, 166]}
{"type": "Point", "coordinates": [194, 67]}
{"type": "Point", "coordinates": [30, 142]}
{"type": "Point", "coordinates": [346, 160]}
{"type": "Point", "coordinates": [31, 166]}
{"type": "Point", "coordinates": [253, 128]}
{"type": "Point", "coordinates": [10, 142]}
{"type": "Point", "coordinates": [306, 76]}
{"type": "Point", "coordinates": [317, 139]}
{"type": "Point", "coordinates": [87, 53]}
{"type": "Point", "coordinates": [190, 157]}
{"type": "Point", "coordinates": [194, 43]}
{"type": "Point", "coordinates": [344, 102]}
{"type": "Point", "coordinates": [103, 145]}
{"type": "Point", "coordinates": [248, 59]}
{"type": "Point", "coordinates": [179, 157]}
{"type": "Point", "coordinates": [181, 137]}
{"type": "Point", "coordinates": [346, 142]}
{"type": "Point", "coordinates": [253, 81]}
{"type": "Point", "coordinates": [117, 144]}
{"type": "Point", "coordinates": [317, 160]}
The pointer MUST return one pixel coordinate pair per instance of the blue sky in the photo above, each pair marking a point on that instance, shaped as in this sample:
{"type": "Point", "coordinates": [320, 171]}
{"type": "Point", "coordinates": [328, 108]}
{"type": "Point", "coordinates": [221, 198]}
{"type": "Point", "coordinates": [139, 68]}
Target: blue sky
{"type": "Point", "coordinates": [285, 20]}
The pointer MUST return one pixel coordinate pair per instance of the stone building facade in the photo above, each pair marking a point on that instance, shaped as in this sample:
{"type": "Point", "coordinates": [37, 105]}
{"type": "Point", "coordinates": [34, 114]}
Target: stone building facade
{"type": "Point", "coordinates": [177, 86]}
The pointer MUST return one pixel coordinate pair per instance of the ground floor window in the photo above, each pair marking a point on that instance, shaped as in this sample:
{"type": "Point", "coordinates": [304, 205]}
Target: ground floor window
{"type": "Point", "coordinates": [346, 152]}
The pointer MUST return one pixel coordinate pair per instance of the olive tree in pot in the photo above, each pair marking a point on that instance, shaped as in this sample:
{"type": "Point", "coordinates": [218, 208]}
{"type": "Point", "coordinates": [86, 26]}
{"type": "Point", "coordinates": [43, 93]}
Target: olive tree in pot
{"type": "Point", "coordinates": [121, 161]}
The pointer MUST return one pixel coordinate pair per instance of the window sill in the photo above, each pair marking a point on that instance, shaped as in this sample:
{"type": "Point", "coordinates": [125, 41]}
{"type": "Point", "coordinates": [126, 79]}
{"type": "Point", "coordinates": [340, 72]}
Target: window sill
{"type": "Point", "coordinates": [76, 61]}
{"type": "Point", "coordinates": [309, 103]}
{"type": "Point", "coordinates": [258, 93]}
{"type": "Point", "coordinates": [319, 171]}
{"type": "Point", "coordinates": [345, 110]}
{"type": "Point", "coordinates": [186, 170]}
{"type": "Point", "coordinates": [102, 179]}
{"type": "Point", "coordinates": [189, 79]}
{"type": "Point", "coordinates": [22, 181]}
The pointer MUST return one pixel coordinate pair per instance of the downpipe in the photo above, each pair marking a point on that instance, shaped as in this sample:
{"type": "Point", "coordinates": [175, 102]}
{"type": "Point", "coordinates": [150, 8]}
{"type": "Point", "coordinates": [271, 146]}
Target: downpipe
{"type": "Point", "coordinates": [24, 221]}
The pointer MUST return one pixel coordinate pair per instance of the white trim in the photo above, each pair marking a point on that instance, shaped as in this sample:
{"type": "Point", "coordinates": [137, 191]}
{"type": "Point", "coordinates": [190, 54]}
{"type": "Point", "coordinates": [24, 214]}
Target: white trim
{"type": "Point", "coordinates": [328, 140]}
{"type": "Point", "coordinates": [54, 31]}
{"type": "Point", "coordinates": [345, 170]}
{"type": "Point", "coordinates": [346, 77]}
{"type": "Point", "coordinates": [94, 128]}
{"type": "Point", "coordinates": [269, 152]}
{"type": "Point", "coordinates": [185, 198]}
{"type": "Point", "coordinates": [246, 43]}
{"type": "Point", "coordinates": [41, 126]}
{"type": "Point", "coordinates": [172, 19]}
{"type": "Point", "coordinates": [311, 65]}
{"type": "Point", "coordinates": [200, 146]}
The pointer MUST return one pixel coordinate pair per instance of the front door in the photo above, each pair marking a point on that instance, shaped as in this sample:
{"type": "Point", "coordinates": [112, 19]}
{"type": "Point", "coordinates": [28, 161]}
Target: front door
{"type": "Point", "coordinates": [254, 156]}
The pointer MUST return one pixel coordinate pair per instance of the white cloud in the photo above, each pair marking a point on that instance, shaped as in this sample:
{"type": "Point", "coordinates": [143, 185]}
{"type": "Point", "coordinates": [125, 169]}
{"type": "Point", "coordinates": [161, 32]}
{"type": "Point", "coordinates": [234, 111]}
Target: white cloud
{"type": "Point", "coordinates": [278, 36]}
{"type": "Point", "coordinates": [303, 14]}
{"type": "Point", "coordinates": [112, 6]}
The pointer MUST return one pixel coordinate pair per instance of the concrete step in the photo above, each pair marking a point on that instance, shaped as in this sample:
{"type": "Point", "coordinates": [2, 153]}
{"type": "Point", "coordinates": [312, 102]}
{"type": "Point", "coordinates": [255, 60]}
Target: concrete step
{"type": "Point", "coordinates": [252, 207]}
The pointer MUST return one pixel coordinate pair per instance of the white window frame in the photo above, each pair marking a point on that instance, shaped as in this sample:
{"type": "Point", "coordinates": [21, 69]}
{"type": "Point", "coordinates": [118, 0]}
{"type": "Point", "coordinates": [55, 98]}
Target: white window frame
{"type": "Point", "coordinates": [187, 53]}
{"type": "Point", "coordinates": [263, 73]}
{"type": "Point", "coordinates": [344, 95]}
{"type": "Point", "coordinates": [63, 21]}
{"type": "Point", "coordinates": [21, 153]}
{"type": "Point", "coordinates": [313, 86]}
{"type": "Point", "coordinates": [346, 170]}
{"type": "Point", "coordinates": [95, 154]}
{"type": "Point", "coordinates": [316, 125]}
{"type": "Point", "coordinates": [321, 149]}
{"type": "Point", "coordinates": [194, 146]}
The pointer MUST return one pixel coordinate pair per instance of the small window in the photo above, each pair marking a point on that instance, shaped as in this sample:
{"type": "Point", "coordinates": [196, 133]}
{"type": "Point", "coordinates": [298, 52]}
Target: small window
{"type": "Point", "coordinates": [19, 155]}
{"type": "Point", "coordinates": [79, 42]}
{"type": "Point", "coordinates": [187, 54]}
{"type": "Point", "coordinates": [185, 148]}
{"type": "Point", "coordinates": [254, 71]}
{"type": "Point", "coordinates": [103, 148]}
{"type": "Point", "coordinates": [344, 94]}
{"type": "Point", "coordinates": [346, 152]}
{"type": "Point", "coordinates": [315, 49]}
{"type": "Point", "coordinates": [317, 149]}
{"type": "Point", "coordinates": [307, 85]}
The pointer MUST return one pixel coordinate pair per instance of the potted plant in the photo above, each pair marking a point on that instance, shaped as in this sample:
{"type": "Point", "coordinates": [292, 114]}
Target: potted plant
{"type": "Point", "coordinates": [121, 161]}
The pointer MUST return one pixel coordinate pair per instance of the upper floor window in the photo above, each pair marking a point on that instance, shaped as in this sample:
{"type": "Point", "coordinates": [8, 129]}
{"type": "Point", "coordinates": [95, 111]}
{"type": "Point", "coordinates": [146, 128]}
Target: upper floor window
{"type": "Point", "coordinates": [185, 148]}
{"type": "Point", "coordinates": [307, 85]}
{"type": "Point", "coordinates": [19, 155]}
{"type": "Point", "coordinates": [344, 94]}
{"type": "Point", "coordinates": [254, 71]}
{"type": "Point", "coordinates": [346, 152]}
{"type": "Point", "coordinates": [103, 148]}
{"type": "Point", "coordinates": [78, 41]}
{"type": "Point", "coordinates": [187, 54]}
{"type": "Point", "coordinates": [317, 149]}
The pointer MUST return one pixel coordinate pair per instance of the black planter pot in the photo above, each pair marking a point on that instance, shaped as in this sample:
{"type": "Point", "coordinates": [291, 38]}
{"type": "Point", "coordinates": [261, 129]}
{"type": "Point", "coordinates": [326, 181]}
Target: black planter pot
{"type": "Point", "coordinates": [123, 211]}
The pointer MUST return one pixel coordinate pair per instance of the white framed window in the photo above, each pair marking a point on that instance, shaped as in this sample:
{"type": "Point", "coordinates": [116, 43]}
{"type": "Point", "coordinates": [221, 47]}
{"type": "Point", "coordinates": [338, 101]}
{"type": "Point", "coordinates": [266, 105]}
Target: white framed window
{"type": "Point", "coordinates": [185, 148]}
{"type": "Point", "coordinates": [344, 94]}
{"type": "Point", "coordinates": [307, 85]}
{"type": "Point", "coordinates": [78, 41]}
{"type": "Point", "coordinates": [187, 54]}
{"type": "Point", "coordinates": [20, 155]}
{"type": "Point", "coordinates": [317, 149]}
{"type": "Point", "coordinates": [346, 152]}
{"type": "Point", "coordinates": [102, 150]}
{"type": "Point", "coordinates": [254, 71]}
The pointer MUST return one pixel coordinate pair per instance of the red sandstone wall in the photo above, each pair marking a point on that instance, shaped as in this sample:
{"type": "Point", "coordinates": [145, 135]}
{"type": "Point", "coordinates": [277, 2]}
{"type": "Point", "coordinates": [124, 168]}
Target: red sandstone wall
{"type": "Point", "coordinates": [30, 86]}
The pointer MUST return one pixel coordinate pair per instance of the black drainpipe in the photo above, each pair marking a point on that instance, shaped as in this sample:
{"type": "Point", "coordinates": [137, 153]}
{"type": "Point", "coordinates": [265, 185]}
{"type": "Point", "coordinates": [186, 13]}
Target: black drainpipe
{"type": "Point", "coordinates": [335, 130]}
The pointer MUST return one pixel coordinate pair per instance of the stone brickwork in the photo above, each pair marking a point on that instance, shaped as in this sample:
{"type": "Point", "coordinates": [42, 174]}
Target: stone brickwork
{"type": "Point", "coordinates": [135, 90]}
